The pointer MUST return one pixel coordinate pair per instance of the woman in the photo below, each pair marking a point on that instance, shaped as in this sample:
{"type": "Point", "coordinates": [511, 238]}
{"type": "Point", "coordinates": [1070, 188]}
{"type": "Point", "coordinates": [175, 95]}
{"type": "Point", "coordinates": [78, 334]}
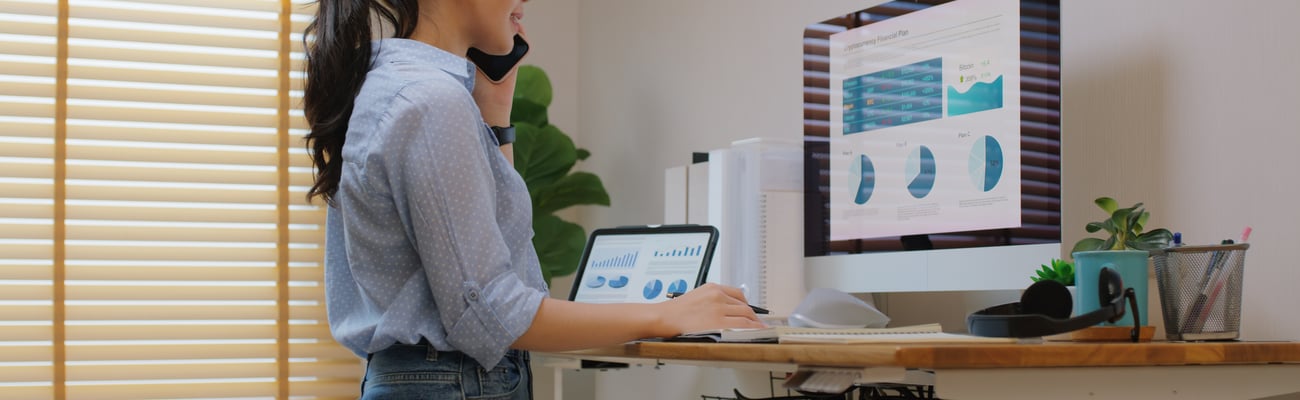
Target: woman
{"type": "Point", "coordinates": [430, 269]}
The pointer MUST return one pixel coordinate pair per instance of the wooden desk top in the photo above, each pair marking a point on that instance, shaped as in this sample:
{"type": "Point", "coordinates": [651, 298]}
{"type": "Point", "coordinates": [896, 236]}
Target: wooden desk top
{"type": "Point", "coordinates": [940, 356]}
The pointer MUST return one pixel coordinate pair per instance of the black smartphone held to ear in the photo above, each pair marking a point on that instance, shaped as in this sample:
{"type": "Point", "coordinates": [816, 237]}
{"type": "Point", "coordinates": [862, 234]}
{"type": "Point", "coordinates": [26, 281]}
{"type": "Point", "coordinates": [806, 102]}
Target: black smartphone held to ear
{"type": "Point", "coordinates": [497, 67]}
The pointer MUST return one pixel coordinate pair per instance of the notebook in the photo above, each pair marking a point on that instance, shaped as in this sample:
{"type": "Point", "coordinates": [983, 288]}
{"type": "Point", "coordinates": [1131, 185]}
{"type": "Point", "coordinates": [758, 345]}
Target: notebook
{"type": "Point", "coordinates": [928, 333]}
{"type": "Point", "coordinates": [643, 264]}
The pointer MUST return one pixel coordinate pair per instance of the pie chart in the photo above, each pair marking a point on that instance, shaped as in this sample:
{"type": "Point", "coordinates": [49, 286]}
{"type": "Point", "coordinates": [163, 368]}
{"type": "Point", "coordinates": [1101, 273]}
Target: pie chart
{"type": "Point", "coordinates": [653, 289]}
{"type": "Point", "coordinates": [678, 286]}
{"type": "Point", "coordinates": [618, 283]}
{"type": "Point", "coordinates": [919, 172]}
{"type": "Point", "coordinates": [596, 282]}
{"type": "Point", "coordinates": [986, 163]}
{"type": "Point", "coordinates": [862, 175]}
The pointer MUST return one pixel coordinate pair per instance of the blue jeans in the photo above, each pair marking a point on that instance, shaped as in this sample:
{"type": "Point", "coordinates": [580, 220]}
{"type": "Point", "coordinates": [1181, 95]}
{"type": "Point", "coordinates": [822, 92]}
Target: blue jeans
{"type": "Point", "coordinates": [405, 371]}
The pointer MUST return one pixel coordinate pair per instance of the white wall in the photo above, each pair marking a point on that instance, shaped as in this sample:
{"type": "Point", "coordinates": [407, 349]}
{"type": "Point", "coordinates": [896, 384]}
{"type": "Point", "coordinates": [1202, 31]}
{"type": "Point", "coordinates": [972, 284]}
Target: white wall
{"type": "Point", "coordinates": [1192, 108]}
{"type": "Point", "coordinates": [1188, 106]}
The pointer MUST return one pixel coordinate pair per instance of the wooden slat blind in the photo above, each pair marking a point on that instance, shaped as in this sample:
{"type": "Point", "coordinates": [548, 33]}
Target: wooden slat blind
{"type": "Point", "coordinates": [177, 257]}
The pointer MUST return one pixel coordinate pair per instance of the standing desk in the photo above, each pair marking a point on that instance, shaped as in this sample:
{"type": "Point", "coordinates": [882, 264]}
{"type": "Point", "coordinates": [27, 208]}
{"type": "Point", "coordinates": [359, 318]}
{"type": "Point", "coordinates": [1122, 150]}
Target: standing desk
{"type": "Point", "coordinates": [1221, 370]}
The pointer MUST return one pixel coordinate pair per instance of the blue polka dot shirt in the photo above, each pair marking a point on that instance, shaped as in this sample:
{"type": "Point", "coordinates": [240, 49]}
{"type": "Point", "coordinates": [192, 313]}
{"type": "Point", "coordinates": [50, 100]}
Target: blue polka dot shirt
{"type": "Point", "coordinates": [431, 232]}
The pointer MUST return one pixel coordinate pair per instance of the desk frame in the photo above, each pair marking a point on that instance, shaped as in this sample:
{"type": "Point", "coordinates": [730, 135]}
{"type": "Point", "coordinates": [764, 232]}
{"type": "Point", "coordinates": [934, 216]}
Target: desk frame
{"type": "Point", "coordinates": [975, 371]}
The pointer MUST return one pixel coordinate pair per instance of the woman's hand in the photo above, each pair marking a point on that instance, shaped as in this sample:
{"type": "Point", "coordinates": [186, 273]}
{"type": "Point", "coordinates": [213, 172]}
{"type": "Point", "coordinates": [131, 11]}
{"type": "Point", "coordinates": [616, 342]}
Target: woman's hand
{"type": "Point", "coordinates": [710, 306]}
{"type": "Point", "coordinates": [495, 100]}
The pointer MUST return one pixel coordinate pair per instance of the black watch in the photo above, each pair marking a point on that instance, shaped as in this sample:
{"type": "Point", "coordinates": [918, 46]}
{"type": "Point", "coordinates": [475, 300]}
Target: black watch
{"type": "Point", "coordinates": [505, 135]}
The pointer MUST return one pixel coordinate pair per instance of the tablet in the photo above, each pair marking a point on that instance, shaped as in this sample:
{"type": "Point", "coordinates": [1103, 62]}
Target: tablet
{"type": "Point", "coordinates": [643, 264]}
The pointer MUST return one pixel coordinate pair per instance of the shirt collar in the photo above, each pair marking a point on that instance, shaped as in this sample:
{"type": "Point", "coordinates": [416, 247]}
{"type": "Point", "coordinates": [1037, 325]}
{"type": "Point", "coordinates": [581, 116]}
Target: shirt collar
{"type": "Point", "coordinates": [404, 51]}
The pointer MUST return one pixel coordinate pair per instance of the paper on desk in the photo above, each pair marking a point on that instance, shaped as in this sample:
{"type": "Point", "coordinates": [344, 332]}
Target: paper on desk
{"type": "Point", "coordinates": [780, 333]}
{"type": "Point", "coordinates": [900, 338]}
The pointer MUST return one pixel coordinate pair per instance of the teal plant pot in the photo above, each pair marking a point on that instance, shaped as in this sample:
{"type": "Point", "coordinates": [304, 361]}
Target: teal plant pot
{"type": "Point", "coordinates": [1132, 268]}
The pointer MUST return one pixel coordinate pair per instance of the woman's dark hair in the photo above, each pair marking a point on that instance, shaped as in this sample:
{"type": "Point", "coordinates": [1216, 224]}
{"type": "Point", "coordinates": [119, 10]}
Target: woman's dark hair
{"type": "Point", "coordinates": [338, 56]}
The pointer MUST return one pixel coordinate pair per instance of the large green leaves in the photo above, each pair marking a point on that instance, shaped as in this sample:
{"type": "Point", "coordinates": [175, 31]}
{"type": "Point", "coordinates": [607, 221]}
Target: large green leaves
{"type": "Point", "coordinates": [533, 85]}
{"type": "Point", "coordinates": [543, 154]}
{"type": "Point", "coordinates": [578, 188]}
{"type": "Point", "coordinates": [559, 245]}
{"type": "Point", "coordinates": [1125, 228]}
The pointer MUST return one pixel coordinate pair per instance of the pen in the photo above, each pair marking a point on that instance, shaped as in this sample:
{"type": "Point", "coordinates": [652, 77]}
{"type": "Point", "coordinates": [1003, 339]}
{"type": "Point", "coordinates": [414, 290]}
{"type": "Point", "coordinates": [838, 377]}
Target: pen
{"type": "Point", "coordinates": [1193, 313]}
{"type": "Point", "coordinates": [757, 309]}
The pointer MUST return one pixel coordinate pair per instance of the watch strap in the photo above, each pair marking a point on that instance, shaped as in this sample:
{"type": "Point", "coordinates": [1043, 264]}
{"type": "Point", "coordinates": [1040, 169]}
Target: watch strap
{"type": "Point", "coordinates": [505, 135]}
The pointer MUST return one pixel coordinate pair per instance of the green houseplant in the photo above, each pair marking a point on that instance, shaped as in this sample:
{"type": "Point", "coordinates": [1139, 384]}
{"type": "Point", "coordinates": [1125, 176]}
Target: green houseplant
{"type": "Point", "coordinates": [1059, 270]}
{"type": "Point", "coordinates": [544, 157]}
{"type": "Point", "coordinates": [1125, 228]}
{"type": "Point", "coordinates": [1125, 249]}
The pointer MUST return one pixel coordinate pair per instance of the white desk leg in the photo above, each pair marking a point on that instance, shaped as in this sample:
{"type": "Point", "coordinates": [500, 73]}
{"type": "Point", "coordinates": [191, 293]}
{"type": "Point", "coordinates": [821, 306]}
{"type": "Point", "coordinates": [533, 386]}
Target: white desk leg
{"type": "Point", "coordinates": [1161, 382]}
{"type": "Point", "coordinates": [558, 376]}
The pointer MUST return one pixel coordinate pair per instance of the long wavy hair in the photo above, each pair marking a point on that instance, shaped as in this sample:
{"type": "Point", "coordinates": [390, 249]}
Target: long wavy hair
{"type": "Point", "coordinates": [338, 57]}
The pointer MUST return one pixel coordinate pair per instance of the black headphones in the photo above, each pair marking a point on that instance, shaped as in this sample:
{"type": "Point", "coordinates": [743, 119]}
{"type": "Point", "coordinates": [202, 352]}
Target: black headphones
{"type": "Point", "coordinates": [1044, 309]}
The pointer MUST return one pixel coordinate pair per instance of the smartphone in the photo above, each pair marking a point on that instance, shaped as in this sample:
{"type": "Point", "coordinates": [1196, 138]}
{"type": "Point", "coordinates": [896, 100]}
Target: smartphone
{"type": "Point", "coordinates": [497, 67]}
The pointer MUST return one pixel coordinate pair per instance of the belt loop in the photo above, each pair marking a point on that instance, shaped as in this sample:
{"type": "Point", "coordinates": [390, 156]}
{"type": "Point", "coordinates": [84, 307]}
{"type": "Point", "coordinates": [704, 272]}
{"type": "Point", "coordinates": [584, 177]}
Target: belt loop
{"type": "Point", "coordinates": [431, 354]}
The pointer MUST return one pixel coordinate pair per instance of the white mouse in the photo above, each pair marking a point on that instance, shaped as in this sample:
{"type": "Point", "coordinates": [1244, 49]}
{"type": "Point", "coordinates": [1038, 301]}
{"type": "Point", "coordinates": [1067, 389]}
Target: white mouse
{"type": "Point", "coordinates": [832, 309]}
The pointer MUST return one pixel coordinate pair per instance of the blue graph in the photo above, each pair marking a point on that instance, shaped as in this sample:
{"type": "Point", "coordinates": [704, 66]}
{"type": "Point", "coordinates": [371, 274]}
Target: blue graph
{"type": "Point", "coordinates": [863, 176]}
{"type": "Point", "coordinates": [689, 251]}
{"type": "Point", "coordinates": [979, 97]}
{"type": "Point", "coordinates": [678, 286]}
{"type": "Point", "coordinates": [653, 289]}
{"type": "Point", "coordinates": [920, 171]}
{"type": "Point", "coordinates": [620, 261]}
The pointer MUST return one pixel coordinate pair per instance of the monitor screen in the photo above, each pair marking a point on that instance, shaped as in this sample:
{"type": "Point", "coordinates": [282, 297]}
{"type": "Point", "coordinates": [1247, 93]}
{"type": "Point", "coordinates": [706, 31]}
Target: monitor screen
{"type": "Point", "coordinates": [932, 144]}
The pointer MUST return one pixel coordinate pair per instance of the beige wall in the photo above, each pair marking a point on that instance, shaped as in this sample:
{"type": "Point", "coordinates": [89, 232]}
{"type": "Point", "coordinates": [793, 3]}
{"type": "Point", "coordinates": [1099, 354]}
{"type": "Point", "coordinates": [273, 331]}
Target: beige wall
{"type": "Point", "coordinates": [1192, 107]}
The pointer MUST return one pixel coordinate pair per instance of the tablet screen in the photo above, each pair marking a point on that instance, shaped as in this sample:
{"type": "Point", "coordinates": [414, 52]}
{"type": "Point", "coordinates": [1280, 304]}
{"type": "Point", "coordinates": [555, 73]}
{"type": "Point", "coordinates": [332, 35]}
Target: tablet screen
{"type": "Point", "coordinates": [642, 265]}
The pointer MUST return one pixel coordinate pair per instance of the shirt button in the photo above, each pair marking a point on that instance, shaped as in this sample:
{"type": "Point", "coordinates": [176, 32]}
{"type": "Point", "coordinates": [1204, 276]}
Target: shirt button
{"type": "Point", "coordinates": [473, 295]}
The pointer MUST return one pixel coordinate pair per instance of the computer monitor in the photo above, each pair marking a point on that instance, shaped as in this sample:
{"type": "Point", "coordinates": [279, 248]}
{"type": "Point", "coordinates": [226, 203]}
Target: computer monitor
{"type": "Point", "coordinates": [932, 145]}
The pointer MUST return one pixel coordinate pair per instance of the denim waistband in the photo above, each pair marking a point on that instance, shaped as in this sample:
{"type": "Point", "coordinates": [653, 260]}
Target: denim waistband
{"type": "Point", "coordinates": [421, 368]}
{"type": "Point", "coordinates": [402, 350]}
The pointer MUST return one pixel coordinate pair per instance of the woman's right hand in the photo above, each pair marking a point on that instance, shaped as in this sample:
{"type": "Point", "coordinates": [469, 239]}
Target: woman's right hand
{"type": "Point", "coordinates": [710, 306]}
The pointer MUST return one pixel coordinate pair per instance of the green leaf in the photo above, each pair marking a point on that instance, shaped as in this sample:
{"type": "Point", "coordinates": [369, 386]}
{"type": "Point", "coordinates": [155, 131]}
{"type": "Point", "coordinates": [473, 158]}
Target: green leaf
{"type": "Point", "coordinates": [1142, 221]}
{"type": "Point", "coordinates": [524, 110]}
{"type": "Point", "coordinates": [1133, 221]}
{"type": "Point", "coordinates": [1093, 227]}
{"type": "Point", "coordinates": [583, 154]}
{"type": "Point", "coordinates": [1107, 204]}
{"type": "Point", "coordinates": [559, 245]}
{"type": "Point", "coordinates": [1088, 244]}
{"type": "Point", "coordinates": [533, 85]}
{"type": "Point", "coordinates": [1119, 219]}
{"type": "Point", "coordinates": [543, 155]}
{"type": "Point", "coordinates": [578, 188]}
{"type": "Point", "coordinates": [1155, 239]}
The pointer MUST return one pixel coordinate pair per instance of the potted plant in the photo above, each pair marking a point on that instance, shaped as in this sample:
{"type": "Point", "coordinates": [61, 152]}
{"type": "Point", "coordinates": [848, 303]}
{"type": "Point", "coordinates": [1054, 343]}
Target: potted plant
{"type": "Point", "coordinates": [1125, 250]}
{"type": "Point", "coordinates": [544, 156]}
{"type": "Point", "coordinates": [1125, 229]}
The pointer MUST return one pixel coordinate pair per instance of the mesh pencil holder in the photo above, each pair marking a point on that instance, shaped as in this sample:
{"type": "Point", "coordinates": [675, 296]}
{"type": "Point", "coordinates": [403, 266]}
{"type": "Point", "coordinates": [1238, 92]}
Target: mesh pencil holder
{"type": "Point", "coordinates": [1200, 290]}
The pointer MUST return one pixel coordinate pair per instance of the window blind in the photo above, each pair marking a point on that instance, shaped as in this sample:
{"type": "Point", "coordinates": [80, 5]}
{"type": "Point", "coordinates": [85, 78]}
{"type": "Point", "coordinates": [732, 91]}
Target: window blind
{"type": "Point", "coordinates": [154, 237]}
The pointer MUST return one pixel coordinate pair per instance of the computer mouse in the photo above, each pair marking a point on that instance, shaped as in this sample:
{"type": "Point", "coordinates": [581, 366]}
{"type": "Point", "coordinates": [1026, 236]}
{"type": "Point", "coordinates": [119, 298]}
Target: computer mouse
{"type": "Point", "coordinates": [832, 309]}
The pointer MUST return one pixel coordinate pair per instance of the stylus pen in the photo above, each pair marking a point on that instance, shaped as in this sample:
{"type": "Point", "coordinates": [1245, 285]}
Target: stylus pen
{"type": "Point", "coordinates": [757, 309]}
